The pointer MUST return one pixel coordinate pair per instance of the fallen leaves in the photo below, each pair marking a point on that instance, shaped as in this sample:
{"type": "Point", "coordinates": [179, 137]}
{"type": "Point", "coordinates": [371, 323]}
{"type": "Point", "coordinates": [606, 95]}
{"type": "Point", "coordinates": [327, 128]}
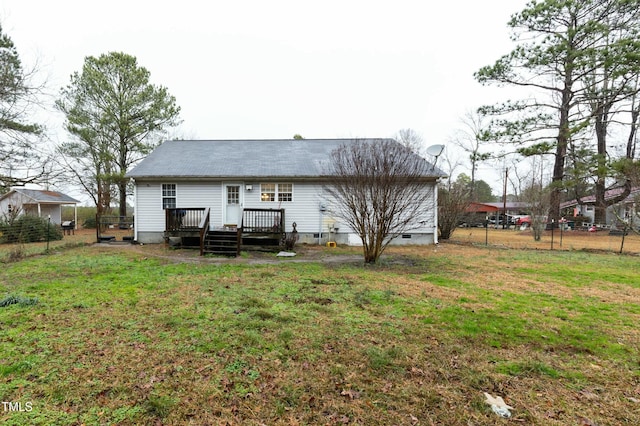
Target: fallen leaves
{"type": "Point", "coordinates": [350, 393]}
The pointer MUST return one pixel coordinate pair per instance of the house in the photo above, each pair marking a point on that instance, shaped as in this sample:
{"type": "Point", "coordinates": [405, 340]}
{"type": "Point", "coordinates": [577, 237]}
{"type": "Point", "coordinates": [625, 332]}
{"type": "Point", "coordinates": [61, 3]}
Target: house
{"type": "Point", "coordinates": [186, 189]}
{"type": "Point", "coordinates": [626, 209]}
{"type": "Point", "coordinates": [509, 207]}
{"type": "Point", "coordinates": [38, 202]}
{"type": "Point", "coordinates": [476, 213]}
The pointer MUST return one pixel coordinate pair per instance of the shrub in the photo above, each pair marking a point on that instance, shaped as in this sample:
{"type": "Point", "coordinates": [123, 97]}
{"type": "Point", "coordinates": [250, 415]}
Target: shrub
{"type": "Point", "coordinates": [83, 215]}
{"type": "Point", "coordinates": [16, 254]}
{"type": "Point", "coordinates": [89, 223]}
{"type": "Point", "coordinates": [580, 220]}
{"type": "Point", "coordinates": [29, 229]}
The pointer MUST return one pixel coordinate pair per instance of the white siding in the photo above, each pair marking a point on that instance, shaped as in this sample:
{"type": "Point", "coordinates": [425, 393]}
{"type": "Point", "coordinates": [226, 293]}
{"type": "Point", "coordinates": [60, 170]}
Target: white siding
{"type": "Point", "coordinates": [150, 214]}
{"type": "Point", "coordinates": [201, 194]}
{"type": "Point", "coordinates": [304, 209]}
{"type": "Point", "coordinates": [26, 205]}
{"type": "Point", "coordinates": [55, 210]}
{"type": "Point", "coordinates": [4, 207]}
{"type": "Point", "coordinates": [426, 223]}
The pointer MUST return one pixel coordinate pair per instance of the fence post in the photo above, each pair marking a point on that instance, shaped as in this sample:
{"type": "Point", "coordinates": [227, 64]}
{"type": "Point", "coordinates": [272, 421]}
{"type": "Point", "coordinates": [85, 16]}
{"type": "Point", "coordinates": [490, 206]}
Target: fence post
{"type": "Point", "coordinates": [48, 231]}
{"type": "Point", "coordinates": [486, 230]}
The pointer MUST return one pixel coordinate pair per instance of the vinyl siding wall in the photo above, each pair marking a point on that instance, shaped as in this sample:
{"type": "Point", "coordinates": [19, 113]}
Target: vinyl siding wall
{"type": "Point", "coordinates": [26, 205]}
{"type": "Point", "coordinates": [150, 216]}
{"type": "Point", "coordinates": [304, 209]}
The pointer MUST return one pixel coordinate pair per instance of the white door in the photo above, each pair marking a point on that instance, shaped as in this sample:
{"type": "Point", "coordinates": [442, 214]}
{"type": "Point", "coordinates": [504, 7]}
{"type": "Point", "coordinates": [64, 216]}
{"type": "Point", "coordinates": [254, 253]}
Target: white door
{"type": "Point", "coordinates": [233, 203]}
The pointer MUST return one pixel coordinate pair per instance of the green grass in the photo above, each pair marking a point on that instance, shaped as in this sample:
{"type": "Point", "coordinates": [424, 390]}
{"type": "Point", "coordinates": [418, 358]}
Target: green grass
{"type": "Point", "coordinates": [117, 337]}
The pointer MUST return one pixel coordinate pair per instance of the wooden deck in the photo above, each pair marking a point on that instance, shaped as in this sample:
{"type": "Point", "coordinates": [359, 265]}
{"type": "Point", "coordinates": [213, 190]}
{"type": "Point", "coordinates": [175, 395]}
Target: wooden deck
{"type": "Point", "coordinates": [260, 229]}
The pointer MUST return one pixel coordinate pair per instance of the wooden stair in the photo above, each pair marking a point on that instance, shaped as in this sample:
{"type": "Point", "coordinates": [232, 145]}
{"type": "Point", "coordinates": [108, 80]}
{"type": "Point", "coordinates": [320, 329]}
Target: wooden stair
{"type": "Point", "coordinates": [222, 242]}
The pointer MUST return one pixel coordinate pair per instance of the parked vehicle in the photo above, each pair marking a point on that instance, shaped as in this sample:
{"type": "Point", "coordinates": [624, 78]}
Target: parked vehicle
{"type": "Point", "coordinates": [500, 220]}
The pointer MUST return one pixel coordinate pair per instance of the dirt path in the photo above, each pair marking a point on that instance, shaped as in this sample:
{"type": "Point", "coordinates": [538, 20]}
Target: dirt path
{"type": "Point", "coordinates": [303, 254]}
{"type": "Point", "coordinates": [473, 237]}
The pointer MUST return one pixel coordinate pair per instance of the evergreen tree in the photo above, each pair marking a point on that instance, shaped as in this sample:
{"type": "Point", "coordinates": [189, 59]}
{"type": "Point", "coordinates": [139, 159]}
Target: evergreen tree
{"type": "Point", "coordinates": [115, 113]}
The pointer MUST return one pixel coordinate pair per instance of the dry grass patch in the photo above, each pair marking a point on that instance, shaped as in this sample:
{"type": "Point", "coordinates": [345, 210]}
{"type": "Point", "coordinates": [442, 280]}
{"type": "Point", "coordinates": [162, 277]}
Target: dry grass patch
{"type": "Point", "coordinates": [567, 240]}
{"type": "Point", "coordinates": [134, 337]}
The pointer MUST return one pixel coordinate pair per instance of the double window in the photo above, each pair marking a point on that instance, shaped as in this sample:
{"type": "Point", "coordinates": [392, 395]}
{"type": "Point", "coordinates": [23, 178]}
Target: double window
{"type": "Point", "coordinates": [276, 192]}
{"type": "Point", "coordinates": [168, 196]}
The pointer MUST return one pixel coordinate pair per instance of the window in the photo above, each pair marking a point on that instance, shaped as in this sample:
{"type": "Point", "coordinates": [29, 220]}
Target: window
{"type": "Point", "coordinates": [233, 195]}
{"type": "Point", "coordinates": [267, 192]}
{"type": "Point", "coordinates": [168, 196]}
{"type": "Point", "coordinates": [276, 192]}
{"type": "Point", "coordinates": [285, 192]}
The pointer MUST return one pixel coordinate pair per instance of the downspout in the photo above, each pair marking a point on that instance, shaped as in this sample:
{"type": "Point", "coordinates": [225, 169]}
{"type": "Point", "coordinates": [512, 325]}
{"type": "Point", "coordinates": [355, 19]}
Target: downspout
{"type": "Point", "coordinates": [322, 210]}
{"type": "Point", "coordinates": [435, 151]}
{"type": "Point", "coordinates": [435, 211]}
{"type": "Point", "coordinates": [135, 210]}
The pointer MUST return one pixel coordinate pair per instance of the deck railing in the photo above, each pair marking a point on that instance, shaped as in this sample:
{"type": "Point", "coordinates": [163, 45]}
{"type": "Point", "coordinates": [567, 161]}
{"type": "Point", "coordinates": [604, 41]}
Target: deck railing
{"type": "Point", "coordinates": [183, 219]}
{"type": "Point", "coordinates": [263, 221]}
{"type": "Point", "coordinates": [204, 227]}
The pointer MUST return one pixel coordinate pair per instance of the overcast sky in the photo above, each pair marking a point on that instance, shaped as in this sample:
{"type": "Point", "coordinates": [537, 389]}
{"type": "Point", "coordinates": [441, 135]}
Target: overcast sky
{"type": "Point", "coordinates": [271, 69]}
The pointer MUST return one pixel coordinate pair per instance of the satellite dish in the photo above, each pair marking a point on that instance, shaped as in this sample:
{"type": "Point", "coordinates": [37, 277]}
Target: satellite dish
{"type": "Point", "coordinates": [435, 150]}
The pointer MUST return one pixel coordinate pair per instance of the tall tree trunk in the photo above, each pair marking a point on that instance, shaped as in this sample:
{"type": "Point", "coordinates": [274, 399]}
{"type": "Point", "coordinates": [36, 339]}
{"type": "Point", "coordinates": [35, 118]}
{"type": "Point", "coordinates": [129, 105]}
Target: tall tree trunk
{"type": "Point", "coordinates": [122, 189]}
{"type": "Point", "coordinates": [561, 152]}
{"type": "Point", "coordinates": [600, 212]}
{"type": "Point", "coordinates": [123, 153]}
{"type": "Point", "coordinates": [564, 131]}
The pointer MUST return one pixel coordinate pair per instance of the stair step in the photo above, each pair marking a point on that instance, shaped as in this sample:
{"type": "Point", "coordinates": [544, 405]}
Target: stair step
{"type": "Point", "coordinates": [221, 243]}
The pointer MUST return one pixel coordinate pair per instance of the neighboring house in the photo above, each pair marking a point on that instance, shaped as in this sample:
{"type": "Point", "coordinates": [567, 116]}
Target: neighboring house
{"type": "Point", "coordinates": [477, 212]}
{"type": "Point", "coordinates": [626, 209]}
{"type": "Point", "coordinates": [37, 202]}
{"type": "Point", "coordinates": [510, 207]}
{"type": "Point", "coordinates": [250, 184]}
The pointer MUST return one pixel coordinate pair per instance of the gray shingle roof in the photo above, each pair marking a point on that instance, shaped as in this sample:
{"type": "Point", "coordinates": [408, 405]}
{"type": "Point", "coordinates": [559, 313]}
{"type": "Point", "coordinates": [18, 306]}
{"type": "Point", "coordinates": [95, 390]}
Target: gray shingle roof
{"type": "Point", "coordinates": [240, 158]}
{"type": "Point", "coordinates": [44, 196]}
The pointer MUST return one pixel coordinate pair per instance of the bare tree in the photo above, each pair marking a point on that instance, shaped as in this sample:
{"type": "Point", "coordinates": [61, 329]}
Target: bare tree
{"type": "Point", "coordinates": [412, 140]}
{"type": "Point", "coordinates": [380, 188]}
{"type": "Point", "coordinates": [568, 53]}
{"type": "Point", "coordinates": [522, 172]}
{"type": "Point", "coordinates": [453, 199]}
{"type": "Point", "coordinates": [538, 197]}
{"type": "Point", "coordinates": [473, 138]}
{"type": "Point", "coordinates": [116, 117]}
{"type": "Point", "coordinates": [21, 158]}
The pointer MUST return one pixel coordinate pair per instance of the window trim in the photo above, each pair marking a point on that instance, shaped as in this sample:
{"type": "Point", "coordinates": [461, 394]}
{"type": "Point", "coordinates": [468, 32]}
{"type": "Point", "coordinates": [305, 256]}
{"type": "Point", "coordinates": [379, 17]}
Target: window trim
{"type": "Point", "coordinates": [289, 193]}
{"type": "Point", "coordinates": [264, 192]}
{"type": "Point", "coordinates": [164, 197]}
{"type": "Point", "coordinates": [277, 192]}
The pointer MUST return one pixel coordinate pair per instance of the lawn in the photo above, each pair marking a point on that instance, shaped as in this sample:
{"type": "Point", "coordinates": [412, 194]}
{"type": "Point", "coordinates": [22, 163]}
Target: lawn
{"type": "Point", "coordinates": [134, 335]}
